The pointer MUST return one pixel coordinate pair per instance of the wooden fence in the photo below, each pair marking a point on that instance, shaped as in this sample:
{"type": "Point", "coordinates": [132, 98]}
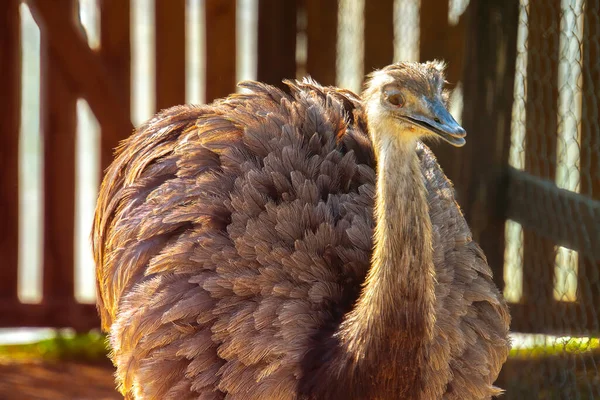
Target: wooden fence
{"type": "Point", "coordinates": [70, 69]}
{"type": "Point", "coordinates": [481, 52]}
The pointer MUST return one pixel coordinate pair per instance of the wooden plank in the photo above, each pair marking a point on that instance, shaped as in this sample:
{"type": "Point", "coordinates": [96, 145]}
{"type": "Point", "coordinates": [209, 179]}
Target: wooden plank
{"type": "Point", "coordinates": [488, 96]}
{"type": "Point", "coordinates": [10, 115]}
{"type": "Point", "coordinates": [276, 41]}
{"type": "Point", "coordinates": [220, 48]}
{"type": "Point", "coordinates": [456, 45]}
{"type": "Point", "coordinates": [590, 121]}
{"type": "Point", "coordinates": [59, 124]}
{"type": "Point", "coordinates": [379, 34]}
{"type": "Point", "coordinates": [81, 317]}
{"type": "Point", "coordinates": [574, 222]}
{"type": "Point", "coordinates": [439, 40]}
{"type": "Point", "coordinates": [170, 53]}
{"type": "Point", "coordinates": [115, 52]}
{"type": "Point", "coordinates": [589, 268]}
{"type": "Point", "coordinates": [433, 29]}
{"type": "Point", "coordinates": [321, 34]}
{"type": "Point", "coordinates": [541, 142]}
{"type": "Point", "coordinates": [85, 69]}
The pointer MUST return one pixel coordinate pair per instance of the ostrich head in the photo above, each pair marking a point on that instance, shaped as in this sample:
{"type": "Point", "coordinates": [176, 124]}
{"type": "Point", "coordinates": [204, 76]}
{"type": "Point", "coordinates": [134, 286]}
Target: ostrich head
{"type": "Point", "coordinates": [407, 101]}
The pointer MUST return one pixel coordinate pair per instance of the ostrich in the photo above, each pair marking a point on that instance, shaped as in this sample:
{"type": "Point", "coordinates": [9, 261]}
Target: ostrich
{"type": "Point", "coordinates": [301, 245]}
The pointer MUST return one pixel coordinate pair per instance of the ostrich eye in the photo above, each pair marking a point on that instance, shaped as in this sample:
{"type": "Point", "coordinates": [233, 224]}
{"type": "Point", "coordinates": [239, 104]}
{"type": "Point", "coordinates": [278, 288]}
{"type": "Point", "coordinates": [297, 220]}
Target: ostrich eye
{"type": "Point", "coordinates": [393, 96]}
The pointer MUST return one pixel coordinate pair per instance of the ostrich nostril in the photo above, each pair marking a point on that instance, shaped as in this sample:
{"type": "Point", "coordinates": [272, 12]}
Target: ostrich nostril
{"type": "Point", "coordinates": [436, 119]}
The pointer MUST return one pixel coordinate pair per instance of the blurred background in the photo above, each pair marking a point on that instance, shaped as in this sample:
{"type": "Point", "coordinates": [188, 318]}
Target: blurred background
{"type": "Point", "coordinates": [78, 75]}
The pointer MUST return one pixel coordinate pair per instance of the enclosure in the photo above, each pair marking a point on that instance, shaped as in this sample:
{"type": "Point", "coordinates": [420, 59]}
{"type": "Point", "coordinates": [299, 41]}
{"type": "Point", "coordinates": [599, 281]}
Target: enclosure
{"type": "Point", "coordinates": [78, 75]}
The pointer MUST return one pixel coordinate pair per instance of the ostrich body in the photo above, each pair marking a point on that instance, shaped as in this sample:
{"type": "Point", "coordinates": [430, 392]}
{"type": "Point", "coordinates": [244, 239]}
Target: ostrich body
{"type": "Point", "coordinates": [296, 246]}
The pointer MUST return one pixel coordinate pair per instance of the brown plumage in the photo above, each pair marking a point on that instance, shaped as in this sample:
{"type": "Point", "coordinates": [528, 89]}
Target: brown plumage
{"type": "Point", "coordinates": [296, 246]}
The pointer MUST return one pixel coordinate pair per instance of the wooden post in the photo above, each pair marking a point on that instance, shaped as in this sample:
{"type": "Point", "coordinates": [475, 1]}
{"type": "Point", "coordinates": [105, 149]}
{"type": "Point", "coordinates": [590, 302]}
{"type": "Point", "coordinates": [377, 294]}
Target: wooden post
{"type": "Point", "coordinates": [321, 33]}
{"type": "Point", "coordinates": [379, 34]}
{"type": "Point", "coordinates": [541, 130]}
{"type": "Point", "coordinates": [59, 123]}
{"type": "Point", "coordinates": [276, 41]}
{"type": "Point", "coordinates": [220, 48]}
{"type": "Point", "coordinates": [115, 52]}
{"type": "Point", "coordinates": [590, 121]}
{"type": "Point", "coordinates": [589, 269]}
{"type": "Point", "coordinates": [433, 29]}
{"type": "Point", "coordinates": [10, 115]}
{"type": "Point", "coordinates": [170, 53]}
{"type": "Point", "coordinates": [488, 97]}
{"type": "Point", "coordinates": [441, 41]}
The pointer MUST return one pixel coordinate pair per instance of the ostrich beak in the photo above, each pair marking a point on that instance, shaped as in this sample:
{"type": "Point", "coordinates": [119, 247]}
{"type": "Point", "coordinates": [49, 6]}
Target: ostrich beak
{"type": "Point", "coordinates": [439, 121]}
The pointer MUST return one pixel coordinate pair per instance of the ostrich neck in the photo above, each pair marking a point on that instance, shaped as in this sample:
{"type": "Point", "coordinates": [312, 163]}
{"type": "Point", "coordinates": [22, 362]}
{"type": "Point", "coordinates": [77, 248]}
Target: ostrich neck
{"type": "Point", "coordinates": [402, 272]}
{"type": "Point", "coordinates": [394, 316]}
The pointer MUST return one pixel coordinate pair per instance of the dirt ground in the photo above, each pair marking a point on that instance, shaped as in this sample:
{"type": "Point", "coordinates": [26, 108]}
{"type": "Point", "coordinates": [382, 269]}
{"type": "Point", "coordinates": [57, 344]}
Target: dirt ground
{"type": "Point", "coordinates": [44, 380]}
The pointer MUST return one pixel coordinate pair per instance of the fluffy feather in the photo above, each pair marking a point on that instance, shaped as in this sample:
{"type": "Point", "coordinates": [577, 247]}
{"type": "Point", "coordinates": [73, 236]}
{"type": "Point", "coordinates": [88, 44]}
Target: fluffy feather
{"type": "Point", "coordinates": [232, 239]}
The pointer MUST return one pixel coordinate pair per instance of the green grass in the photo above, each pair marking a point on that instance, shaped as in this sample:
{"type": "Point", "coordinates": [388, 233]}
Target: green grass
{"type": "Point", "coordinates": [83, 347]}
{"type": "Point", "coordinates": [556, 347]}
{"type": "Point", "coordinates": [92, 347]}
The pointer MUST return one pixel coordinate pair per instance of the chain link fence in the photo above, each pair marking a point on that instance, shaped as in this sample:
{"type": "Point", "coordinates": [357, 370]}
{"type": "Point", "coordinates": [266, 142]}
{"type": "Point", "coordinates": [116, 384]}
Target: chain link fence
{"type": "Point", "coordinates": [552, 269]}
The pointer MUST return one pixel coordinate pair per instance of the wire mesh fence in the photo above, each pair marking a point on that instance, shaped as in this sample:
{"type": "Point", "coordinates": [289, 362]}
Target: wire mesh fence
{"type": "Point", "coordinates": [552, 266]}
